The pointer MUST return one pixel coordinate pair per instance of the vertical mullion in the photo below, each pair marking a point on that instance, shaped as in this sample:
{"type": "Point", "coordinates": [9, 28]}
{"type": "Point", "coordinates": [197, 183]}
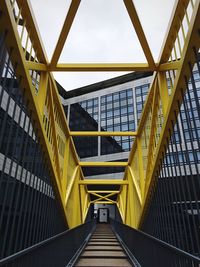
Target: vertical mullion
{"type": "Point", "coordinates": [186, 180]}
{"type": "Point", "coordinates": [26, 191]}
{"type": "Point", "coordinates": [180, 188]}
{"type": "Point", "coordinates": [39, 170]}
{"type": "Point", "coordinates": [165, 205]}
{"type": "Point", "coordinates": [31, 190]}
{"type": "Point", "coordinates": [186, 176]}
{"type": "Point", "coordinates": [22, 185]}
{"type": "Point", "coordinates": [17, 181]}
{"type": "Point", "coordinates": [160, 209]}
{"type": "Point", "coordinates": [189, 166]}
{"type": "Point", "coordinates": [188, 105]}
{"type": "Point", "coordinates": [167, 199]}
{"type": "Point", "coordinates": [40, 203]}
{"type": "Point", "coordinates": [8, 184]}
{"type": "Point", "coordinates": [174, 198]}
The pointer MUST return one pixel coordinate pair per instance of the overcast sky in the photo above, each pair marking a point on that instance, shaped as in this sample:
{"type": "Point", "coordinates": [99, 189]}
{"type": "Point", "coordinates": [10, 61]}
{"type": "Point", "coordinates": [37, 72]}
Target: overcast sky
{"type": "Point", "coordinates": [101, 32]}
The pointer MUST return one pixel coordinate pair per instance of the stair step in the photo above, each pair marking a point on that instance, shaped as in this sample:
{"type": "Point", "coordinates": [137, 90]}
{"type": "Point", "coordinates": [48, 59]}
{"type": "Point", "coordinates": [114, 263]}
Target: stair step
{"type": "Point", "coordinates": [103, 243]}
{"type": "Point", "coordinates": [103, 240]}
{"type": "Point", "coordinates": [103, 254]}
{"type": "Point", "coordinates": [103, 248]}
{"type": "Point", "coordinates": [103, 263]}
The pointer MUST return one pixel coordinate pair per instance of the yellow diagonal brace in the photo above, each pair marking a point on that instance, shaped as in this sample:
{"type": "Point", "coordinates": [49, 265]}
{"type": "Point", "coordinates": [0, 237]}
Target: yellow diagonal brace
{"type": "Point", "coordinates": [170, 37]}
{"type": "Point", "coordinates": [70, 185]}
{"type": "Point", "coordinates": [85, 209]}
{"type": "Point", "coordinates": [36, 39]}
{"type": "Point", "coordinates": [100, 197]}
{"type": "Point", "coordinates": [163, 90]}
{"type": "Point", "coordinates": [153, 129]}
{"type": "Point", "coordinates": [65, 30]}
{"type": "Point", "coordinates": [54, 133]}
{"type": "Point", "coordinates": [137, 189]}
{"type": "Point", "coordinates": [139, 31]}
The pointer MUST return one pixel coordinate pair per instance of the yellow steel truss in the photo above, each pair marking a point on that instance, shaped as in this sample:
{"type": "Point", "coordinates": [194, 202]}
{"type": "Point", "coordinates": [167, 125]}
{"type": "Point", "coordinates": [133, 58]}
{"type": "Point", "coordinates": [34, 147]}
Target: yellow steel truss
{"type": "Point", "coordinates": [34, 71]}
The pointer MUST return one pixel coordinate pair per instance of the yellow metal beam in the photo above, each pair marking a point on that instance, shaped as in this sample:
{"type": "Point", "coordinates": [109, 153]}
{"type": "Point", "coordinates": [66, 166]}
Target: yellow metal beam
{"type": "Point", "coordinates": [86, 133]}
{"type": "Point", "coordinates": [103, 198]}
{"type": "Point", "coordinates": [163, 90]}
{"type": "Point", "coordinates": [174, 65]}
{"type": "Point", "coordinates": [103, 164]}
{"type": "Point", "coordinates": [28, 14]}
{"type": "Point", "coordinates": [171, 34]}
{"type": "Point", "coordinates": [140, 192]}
{"type": "Point", "coordinates": [103, 182]}
{"type": "Point", "coordinates": [108, 195]}
{"type": "Point", "coordinates": [137, 189]}
{"type": "Point", "coordinates": [65, 31]}
{"type": "Point", "coordinates": [32, 65]}
{"type": "Point", "coordinates": [101, 67]}
{"type": "Point", "coordinates": [103, 191]}
{"type": "Point", "coordinates": [106, 201]}
{"type": "Point", "coordinates": [70, 185]}
{"type": "Point", "coordinates": [139, 31]}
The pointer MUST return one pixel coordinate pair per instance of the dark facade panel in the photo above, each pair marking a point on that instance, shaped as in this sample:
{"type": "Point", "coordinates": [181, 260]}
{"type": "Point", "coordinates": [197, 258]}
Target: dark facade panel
{"type": "Point", "coordinates": [29, 210]}
{"type": "Point", "coordinates": [174, 210]}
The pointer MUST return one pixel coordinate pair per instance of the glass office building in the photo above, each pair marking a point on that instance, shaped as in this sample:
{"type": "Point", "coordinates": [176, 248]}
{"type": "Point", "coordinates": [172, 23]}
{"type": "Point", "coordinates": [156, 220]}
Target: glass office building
{"type": "Point", "coordinates": [112, 105]}
{"type": "Point", "coordinates": [116, 105]}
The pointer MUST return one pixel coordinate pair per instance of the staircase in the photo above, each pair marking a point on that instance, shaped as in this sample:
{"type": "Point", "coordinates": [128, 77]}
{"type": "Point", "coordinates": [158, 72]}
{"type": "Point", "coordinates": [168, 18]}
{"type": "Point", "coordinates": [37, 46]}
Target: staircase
{"type": "Point", "coordinates": [103, 249]}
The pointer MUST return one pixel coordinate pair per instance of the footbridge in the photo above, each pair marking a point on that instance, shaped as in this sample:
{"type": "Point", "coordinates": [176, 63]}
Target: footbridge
{"type": "Point", "coordinates": [46, 203]}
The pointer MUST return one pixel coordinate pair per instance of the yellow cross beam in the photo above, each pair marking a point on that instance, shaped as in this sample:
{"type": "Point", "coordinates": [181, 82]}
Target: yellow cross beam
{"type": "Point", "coordinates": [103, 182]}
{"type": "Point", "coordinates": [103, 164]}
{"type": "Point", "coordinates": [86, 133]}
{"type": "Point", "coordinates": [100, 197]}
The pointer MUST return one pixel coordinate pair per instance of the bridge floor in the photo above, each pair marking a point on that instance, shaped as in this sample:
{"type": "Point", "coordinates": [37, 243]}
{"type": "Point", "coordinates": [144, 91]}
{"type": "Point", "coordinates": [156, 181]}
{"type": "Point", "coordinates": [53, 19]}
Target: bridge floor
{"type": "Point", "coordinates": [103, 249]}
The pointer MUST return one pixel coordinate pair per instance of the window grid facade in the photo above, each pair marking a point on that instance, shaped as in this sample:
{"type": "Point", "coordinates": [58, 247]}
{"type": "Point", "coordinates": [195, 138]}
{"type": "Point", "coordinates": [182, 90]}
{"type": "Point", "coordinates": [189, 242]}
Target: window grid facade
{"type": "Point", "coordinates": [141, 95]}
{"type": "Point", "coordinates": [117, 114]}
{"type": "Point", "coordinates": [91, 107]}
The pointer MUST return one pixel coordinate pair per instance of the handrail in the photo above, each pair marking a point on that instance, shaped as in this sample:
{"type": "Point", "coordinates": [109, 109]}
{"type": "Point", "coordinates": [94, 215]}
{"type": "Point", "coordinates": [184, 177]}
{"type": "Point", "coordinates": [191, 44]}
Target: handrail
{"type": "Point", "coordinates": [39, 250]}
{"type": "Point", "coordinates": [135, 238]}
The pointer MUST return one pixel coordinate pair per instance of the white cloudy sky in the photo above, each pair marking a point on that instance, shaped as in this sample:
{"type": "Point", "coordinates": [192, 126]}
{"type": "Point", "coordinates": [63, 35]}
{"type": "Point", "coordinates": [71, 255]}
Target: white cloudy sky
{"type": "Point", "coordinates": [101, 32]}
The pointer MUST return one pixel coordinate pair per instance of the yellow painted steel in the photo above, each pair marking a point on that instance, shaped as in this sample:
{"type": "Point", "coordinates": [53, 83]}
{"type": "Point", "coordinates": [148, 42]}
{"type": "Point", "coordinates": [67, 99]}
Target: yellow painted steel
{"type": "Point", "coordinates": [65, 31]}
{"type": "Point", "coordinates": [103, 164]}
{"type": "Point", "coordinates": [139, 31]}
{"type": "Point", "coordinates": [103, 198]}
{"type": "Point", "coordinates": [47, 111]}
{"type": "Point", "coordinates": [155, 124]}
{"type": "Point", "coordinates": [85, 133]}
{"type": "Point", "coordinates": [103, 191]}
{"type": "Point", "coordinates": [103, 182]}
{"type": "Point", "coordinates": [161, 106]}
{"type": "Point", "coordinates": [101, 67]}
